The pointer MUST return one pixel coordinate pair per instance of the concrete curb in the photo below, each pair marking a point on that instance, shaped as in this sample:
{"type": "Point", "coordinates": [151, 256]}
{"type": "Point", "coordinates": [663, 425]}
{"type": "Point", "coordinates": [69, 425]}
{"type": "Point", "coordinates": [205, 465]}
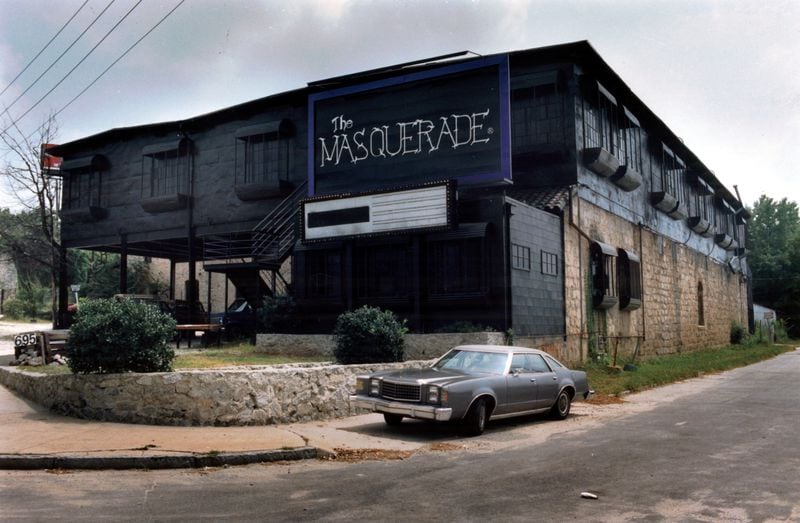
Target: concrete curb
{"type": "Point", "coordinates": [33, 462]}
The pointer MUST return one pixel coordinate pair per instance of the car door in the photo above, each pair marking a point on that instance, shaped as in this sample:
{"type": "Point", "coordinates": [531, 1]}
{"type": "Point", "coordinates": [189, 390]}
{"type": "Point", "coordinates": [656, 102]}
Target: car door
{"type": "Point", "coordinates": [547, 382]}
{"type": "Point", "coordinates": [521, 385]}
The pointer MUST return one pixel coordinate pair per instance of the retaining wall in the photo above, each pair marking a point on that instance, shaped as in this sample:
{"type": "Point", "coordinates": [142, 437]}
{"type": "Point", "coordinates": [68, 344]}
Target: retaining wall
{"type": "Point", "coordinates": [240, 396]}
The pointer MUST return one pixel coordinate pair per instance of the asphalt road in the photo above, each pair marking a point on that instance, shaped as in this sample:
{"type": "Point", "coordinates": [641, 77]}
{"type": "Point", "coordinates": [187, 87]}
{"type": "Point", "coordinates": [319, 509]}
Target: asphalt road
{"type": "Point", "coordinates": [723, 448]}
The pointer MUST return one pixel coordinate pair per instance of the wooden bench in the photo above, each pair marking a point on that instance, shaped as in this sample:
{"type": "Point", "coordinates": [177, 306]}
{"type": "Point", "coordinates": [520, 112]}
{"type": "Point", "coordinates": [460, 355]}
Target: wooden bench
{"type": "Point", "coordinates": [206, 328]}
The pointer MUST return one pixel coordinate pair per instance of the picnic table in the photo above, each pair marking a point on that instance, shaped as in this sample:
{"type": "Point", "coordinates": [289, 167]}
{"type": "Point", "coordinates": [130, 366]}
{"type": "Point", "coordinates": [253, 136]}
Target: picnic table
{"type": "Point", "coordinates": [191, 328]}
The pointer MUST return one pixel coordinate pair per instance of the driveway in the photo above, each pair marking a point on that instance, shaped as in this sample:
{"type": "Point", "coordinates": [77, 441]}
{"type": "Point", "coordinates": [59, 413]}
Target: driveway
{"type": "Point", "coordinates": [720, 448]}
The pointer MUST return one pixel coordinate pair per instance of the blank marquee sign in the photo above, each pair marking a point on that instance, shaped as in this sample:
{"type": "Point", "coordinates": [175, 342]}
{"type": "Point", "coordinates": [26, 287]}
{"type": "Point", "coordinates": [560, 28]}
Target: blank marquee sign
{"type": "Point", "coordinates": [427, 207]}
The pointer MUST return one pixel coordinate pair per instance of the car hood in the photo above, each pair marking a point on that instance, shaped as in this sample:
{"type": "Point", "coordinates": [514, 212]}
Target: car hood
{"type": "Point", "coordinates": [425, 376]}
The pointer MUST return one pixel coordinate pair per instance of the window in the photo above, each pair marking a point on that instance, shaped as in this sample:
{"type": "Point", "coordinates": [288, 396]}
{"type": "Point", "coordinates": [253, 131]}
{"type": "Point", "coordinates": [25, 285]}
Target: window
{"type": "Point", "coordinates": [673, 175]}
{"type": "Point", "coordinates": [82, 197]}
{"type": "Point", "coordinates": [381, 271]}
{"type": "Point", "coordinates": [263, 154]}
{"type": "Point", "coordinates": [528, 363]}
{"type": "Point", "coordinates": [520, 257]}
{"type": "Point", "coordinates": [629, 277]}
{"type": "Point", "coordinates": [604, 275]}
{"type": "Point", "coordinates": [166, 168]}
{"type": "Point", "coordinates": [537, 110]}
{"type": "Point", "coordinates": [456, 266]}
{"type": "Point", "coordinates": [701, 318]}
{"type": "Point", "coordinates": [323, 273]}
{"type": "Point", "coordinates": [630, 141]}
{"type": "Point", "coordinates": [549, 263]}
{"type": "Point", "coordinates": [601, 119]}
{"type": "Point", "coordinates": [82, 190]}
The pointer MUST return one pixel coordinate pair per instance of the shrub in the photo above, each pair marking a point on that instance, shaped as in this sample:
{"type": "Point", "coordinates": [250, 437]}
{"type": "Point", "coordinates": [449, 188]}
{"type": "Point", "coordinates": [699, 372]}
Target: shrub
{"type": "Point", "coordinates": [369, 335]}
{"type": "Point", "coordinates": [14, 309]}
{"type": "Point", "coordinates": [111, 336]}
{"type": "Point", "coordinates": [737, 333]}
{"type": "Point", "coordinates": [277, 315]}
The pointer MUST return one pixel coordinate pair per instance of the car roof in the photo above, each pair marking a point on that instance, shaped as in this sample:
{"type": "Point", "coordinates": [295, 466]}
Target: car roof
{"type": "Point", "coordinates": [505, 349]}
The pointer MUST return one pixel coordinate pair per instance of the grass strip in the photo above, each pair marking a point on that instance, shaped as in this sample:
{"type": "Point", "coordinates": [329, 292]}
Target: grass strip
{"type": "Point", "coordinates": [676, 367]}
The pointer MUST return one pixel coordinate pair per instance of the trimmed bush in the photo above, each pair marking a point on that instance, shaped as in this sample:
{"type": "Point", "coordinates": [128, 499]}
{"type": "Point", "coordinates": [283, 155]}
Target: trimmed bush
{"type": "Point", "coordinates": [277, 315]}
{"type": "Point", "coordinates": [369, 335]}
{"type": "Point", "coordinates": [111, 336]}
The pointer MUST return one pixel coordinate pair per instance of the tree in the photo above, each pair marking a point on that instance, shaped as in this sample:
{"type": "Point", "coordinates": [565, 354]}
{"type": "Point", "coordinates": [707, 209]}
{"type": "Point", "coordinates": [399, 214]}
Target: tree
{"type": "Point", "coordinates": [774, 257]}
{"type": "Point", "coordinates": [37, 232]}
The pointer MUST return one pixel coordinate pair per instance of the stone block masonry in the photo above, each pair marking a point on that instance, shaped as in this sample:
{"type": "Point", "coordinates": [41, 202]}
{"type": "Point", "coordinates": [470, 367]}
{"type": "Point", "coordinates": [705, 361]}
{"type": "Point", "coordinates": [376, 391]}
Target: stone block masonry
{"type": "Point", "coordinates": [241, 396]}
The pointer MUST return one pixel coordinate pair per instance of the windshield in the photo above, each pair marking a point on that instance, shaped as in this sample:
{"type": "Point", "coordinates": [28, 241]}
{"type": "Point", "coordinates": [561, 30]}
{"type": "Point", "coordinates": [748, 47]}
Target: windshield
{"type": "Point", "coordinates": [473, 362]}
{"type": "Point", "coordinates": [238, 306]}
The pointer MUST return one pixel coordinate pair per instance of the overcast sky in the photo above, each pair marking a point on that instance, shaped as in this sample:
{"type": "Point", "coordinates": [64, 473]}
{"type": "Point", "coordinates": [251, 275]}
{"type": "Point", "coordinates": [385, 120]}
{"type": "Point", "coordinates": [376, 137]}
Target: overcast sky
{"type": "Point", "coordinates": [723, 75]}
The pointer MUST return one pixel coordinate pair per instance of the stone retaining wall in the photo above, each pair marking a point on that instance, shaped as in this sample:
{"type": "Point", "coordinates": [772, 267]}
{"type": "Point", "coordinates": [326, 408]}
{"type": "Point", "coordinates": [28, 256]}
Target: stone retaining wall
{"type": "Point", "coordinates": [240, 396]}
{"type": "Point", "coordinates": [418, 346]}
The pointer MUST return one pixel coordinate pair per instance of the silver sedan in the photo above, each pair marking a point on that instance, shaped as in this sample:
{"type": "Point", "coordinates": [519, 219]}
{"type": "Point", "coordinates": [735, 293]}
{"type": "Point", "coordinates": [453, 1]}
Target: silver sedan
{"type": "Point", "coordinates": [472, 383]}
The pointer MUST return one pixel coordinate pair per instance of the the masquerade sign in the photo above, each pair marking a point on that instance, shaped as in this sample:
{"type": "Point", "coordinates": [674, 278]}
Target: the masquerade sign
{"type": "Point", "coordinates": [450, 122]}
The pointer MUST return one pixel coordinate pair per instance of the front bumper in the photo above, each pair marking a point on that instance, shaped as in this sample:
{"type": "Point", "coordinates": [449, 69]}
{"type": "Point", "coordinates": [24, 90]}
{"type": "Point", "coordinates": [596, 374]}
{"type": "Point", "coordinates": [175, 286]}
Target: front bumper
{"type": "Point", "coordinates": [396, 407]}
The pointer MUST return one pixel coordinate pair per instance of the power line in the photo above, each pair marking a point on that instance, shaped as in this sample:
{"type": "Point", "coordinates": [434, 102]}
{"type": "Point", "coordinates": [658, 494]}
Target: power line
{"type": "Point", "coordinates": [45, 47]}
{"type": "Point", "coordinates": [40, 100]}
{"type": "Point", "coordinates": [59, 58]}
{"type": "Point", "coordinates": [129, 49]}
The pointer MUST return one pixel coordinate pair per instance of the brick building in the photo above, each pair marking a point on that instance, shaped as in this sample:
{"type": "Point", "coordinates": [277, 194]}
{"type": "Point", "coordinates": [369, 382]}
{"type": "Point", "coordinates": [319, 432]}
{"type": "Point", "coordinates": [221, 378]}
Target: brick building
{"type": "Point", "coordinates": [529, 190]}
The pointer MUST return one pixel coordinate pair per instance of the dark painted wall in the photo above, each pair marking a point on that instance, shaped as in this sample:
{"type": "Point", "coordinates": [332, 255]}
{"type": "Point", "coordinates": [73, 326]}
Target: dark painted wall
{"type": "Point", "coordinates": [537, 295]}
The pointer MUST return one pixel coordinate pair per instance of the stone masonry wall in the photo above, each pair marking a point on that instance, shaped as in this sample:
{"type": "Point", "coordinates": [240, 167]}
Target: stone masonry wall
{"type": "Point", "coordinates": [241, 396]}
{"type": "Point", "coordinates": [669, 319]}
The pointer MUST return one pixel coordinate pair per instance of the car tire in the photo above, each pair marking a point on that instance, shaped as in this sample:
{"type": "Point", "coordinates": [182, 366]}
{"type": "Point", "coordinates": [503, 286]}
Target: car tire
{"type": "Point", "coordinates": [392, 420]}
{"type": "Point", "coordinates": [560, 409]}
{"type": "Point", "coordinates": [474, 422]}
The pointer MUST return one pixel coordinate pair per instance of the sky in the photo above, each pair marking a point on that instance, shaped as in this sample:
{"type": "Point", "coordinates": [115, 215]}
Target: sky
{"type": "Point", "coordinates": [723, 75]}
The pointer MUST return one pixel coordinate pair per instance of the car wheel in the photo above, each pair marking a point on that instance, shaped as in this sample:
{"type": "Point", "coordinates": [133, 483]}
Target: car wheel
{"type": "Point", "coordinates": [560, 409]}
{"type": "Point", "coordinates": [474, 422]}
{"type": "Point", "coordinates": [392, 420]}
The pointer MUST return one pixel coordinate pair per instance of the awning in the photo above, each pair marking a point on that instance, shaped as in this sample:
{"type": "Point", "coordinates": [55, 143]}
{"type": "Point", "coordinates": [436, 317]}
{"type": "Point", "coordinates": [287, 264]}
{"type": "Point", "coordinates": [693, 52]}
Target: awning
{"type": "Point", "coordinates": [276, 129]}
{"type": "Point", "coordinates": [464, 230]}
{"type": "Point", "coordinates": [96, 162]}
{"type": "Point", "coordinates": [162, 147]}
{"type": "Point", "coordinates": [624, 253]}
{"type": "Point", "coordinates": [605, 248]}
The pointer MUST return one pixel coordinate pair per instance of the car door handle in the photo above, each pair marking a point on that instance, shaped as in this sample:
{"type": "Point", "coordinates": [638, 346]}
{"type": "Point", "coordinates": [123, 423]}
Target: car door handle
{"type": "Point", "coordinates": [533, 380]}
{"type": "Point", "coordinates": [555, 378]}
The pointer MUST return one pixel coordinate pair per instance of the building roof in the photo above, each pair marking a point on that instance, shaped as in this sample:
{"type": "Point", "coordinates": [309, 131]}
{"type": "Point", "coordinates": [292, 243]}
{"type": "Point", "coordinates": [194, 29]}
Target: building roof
{"type": "Point", "coordinates": [551, 199]}
{"type": "Point", "coordinates": [580, 53]}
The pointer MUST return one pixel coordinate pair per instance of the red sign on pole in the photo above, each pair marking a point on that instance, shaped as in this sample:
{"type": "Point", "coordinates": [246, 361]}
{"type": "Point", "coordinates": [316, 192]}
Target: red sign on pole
{"type": "Point", "coordinates": [48, 161]}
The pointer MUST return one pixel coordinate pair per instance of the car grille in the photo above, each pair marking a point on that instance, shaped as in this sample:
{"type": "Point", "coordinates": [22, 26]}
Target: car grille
{"type": "Point", "coordinates": [401, 391]}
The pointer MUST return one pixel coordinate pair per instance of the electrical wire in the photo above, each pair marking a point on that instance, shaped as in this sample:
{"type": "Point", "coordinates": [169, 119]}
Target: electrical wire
{"type": "Point", "coordinates": [40, 100]}
{"type": "Point", "coordinates": [120, 57]}
{"type": "Point", "coordinates": [57, 59]}
{"type": "Point", "coordinates": [45, 47]}
{"type": "Point", "coordinates": [129, 49]}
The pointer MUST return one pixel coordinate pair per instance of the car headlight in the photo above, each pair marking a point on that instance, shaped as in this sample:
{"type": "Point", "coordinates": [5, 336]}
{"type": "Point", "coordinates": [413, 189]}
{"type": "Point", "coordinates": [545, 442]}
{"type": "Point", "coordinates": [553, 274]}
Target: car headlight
{"type": "Point", "coordinates": [374, 387]}
{"type": "Point", "coordinates": [433, 394]}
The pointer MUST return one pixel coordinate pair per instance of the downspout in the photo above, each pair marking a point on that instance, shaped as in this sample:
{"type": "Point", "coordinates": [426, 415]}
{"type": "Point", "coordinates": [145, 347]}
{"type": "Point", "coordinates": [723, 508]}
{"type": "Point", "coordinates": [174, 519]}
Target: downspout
{"type": "Point", "coordinates": [507, 320]}
{"type": "Point", "coordinates": [641, 275]}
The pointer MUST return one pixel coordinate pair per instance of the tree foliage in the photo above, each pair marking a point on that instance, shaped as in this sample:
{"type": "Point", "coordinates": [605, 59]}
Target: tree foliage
{"type": "Point", "coordinates": [774, 257]}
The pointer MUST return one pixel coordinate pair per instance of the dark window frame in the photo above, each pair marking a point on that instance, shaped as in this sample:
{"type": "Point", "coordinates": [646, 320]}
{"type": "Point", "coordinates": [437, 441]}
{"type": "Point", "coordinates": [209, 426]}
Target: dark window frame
{"type": "Point", "coordinates": [549, 263]}
{"type": "Point", "coordinates": [323, 271]}
{"type": "Point", "coordinates": [629, 280]}
{"type": "Point", "coordinates": [601, 120]}
{"type": "Point", "coordinates": [520, 257]}
{"type": "Point", "coordinates": [167, 170]}
{"type": "Point", "coordinates": [380, 271]}
{"type": "Point", "coordinates": [605, 293]}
